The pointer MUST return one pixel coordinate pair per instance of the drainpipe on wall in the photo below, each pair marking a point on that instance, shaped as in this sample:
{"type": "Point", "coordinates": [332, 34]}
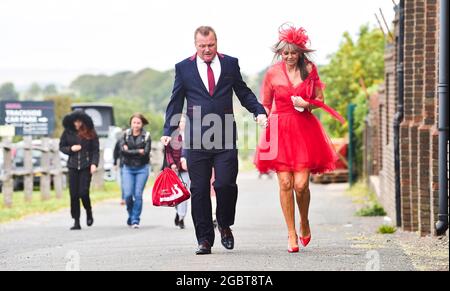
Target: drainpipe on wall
{"type": "Point", "coordinates": [398, 119]}
{"type": "Point", "coordinates": [442, 224]}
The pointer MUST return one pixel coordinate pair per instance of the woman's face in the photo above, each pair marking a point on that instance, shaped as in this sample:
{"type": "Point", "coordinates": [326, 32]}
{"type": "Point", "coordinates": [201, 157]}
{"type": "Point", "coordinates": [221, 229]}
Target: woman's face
{"type": "Point", "coordinates": [78, 124]}
{"type": "Point", "coordinates": [290, 57]}
{"type": "Point", "coordinates": [136, 124]}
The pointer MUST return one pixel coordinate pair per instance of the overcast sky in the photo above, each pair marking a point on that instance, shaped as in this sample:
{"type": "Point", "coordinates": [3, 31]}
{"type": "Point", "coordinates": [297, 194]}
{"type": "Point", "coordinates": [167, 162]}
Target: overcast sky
{"type": "Point", "coordinates": [56, 40]}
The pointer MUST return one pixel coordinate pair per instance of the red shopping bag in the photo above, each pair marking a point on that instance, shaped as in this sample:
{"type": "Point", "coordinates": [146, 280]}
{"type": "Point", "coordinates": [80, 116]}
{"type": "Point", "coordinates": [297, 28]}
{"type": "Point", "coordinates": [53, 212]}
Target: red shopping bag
{"type": "Point", "coordinates": [169, 190]}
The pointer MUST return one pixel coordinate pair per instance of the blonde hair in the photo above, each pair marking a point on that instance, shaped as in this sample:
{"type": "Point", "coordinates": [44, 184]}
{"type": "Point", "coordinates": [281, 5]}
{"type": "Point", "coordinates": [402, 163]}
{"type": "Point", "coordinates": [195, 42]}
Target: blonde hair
{"type": "Point", "coordinates": [303, 61]}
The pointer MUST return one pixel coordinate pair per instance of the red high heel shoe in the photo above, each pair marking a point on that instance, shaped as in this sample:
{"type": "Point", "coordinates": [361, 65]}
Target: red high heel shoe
{"type": "Point", "coordinates": [295, 248]}
{"type": "Point", "coordinates": [305, 240]}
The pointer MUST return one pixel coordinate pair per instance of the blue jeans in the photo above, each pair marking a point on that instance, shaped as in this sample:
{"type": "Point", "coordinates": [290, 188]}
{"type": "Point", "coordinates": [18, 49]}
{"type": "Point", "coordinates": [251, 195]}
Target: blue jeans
{"type": "Point", "coordinates": [133, 181]}
{"type": "Point", "coordinates": [122, 189]}
{"type": "Point", "coordinates": [182, 208]}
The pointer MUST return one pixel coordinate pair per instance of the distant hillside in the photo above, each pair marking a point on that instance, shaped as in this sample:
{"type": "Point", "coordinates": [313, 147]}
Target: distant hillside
{"type": "Point", "coordinates": [150, 87]}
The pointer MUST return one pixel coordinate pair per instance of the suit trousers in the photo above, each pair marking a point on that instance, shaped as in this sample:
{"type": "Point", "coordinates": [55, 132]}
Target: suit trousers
{"type": "Point", "coordinates": [225, 164]}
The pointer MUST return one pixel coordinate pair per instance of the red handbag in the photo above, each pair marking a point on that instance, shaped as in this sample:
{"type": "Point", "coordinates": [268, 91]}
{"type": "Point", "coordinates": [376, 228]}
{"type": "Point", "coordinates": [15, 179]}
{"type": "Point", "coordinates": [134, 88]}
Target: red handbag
{"type": "Point", "coordinates": [169, 189]}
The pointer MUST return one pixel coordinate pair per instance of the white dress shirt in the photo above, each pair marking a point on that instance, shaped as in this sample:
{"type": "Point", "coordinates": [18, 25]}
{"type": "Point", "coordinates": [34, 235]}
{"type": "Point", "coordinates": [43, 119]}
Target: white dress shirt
{"type": "Point", "coordinates": [203, 70]}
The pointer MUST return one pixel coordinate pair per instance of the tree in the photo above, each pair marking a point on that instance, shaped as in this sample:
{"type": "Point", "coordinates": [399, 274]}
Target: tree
{"type": "Point", "coordinates": [50, 90]}
{"type": "Point", "coordinates": [62, 108]}
{"type": "Point", "coordinates": [124, 108]}
{"type": "Point", "coordinates": [34, 91]}
{"type": "Point", "coordinates": [353, 72]}
{"type": "Point", "coordinates": [8, 92]}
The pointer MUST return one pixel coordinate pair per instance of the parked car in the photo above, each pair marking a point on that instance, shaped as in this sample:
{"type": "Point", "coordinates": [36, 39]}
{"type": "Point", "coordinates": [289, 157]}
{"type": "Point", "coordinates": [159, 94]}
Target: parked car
{"type": "Point", "coordinates": [19, 164]}
{"type": "Point", "coordinates": [19, 159]}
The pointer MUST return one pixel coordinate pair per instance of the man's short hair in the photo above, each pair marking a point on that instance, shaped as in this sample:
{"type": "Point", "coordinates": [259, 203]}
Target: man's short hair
{"type": "Point", "coordinates": [205, 31]}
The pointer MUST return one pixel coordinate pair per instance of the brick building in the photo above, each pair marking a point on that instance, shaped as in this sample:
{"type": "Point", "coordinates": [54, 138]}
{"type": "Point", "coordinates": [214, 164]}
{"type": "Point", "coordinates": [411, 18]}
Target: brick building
{"type": "Point", "coordinates": [412, 197]}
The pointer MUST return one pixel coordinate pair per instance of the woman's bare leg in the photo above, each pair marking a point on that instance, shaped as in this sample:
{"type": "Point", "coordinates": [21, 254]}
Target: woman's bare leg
{"type": "Point", "coordinates": [303, 194]}
{"type": "Point", "coordinates": [286, 183]}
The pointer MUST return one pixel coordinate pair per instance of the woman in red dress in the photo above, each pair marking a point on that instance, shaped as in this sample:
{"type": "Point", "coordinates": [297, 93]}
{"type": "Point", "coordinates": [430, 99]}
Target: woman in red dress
{"type": "Point", "coordinates": [294, 144]}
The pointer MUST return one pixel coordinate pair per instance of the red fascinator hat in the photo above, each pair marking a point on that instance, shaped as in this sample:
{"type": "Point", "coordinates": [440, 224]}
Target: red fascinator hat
{"type": "Point", "coordinates": [297, 36]}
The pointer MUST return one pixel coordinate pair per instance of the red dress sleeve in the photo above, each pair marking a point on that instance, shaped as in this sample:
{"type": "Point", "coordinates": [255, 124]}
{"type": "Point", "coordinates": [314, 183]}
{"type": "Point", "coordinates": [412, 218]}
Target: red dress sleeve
{"type": "Point", "coordinates": [267, 92]}
{"type": "Point", "coordinates": [313, 83]}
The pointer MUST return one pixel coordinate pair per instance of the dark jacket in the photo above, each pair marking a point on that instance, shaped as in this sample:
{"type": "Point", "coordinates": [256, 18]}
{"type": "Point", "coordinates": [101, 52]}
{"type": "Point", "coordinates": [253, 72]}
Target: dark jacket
{"type": "Point", "coordinates": [90, 149]}
{"type": "Point", "coordinates": [117, 155]}
{"type": "Point", "coordinates": [132, 157]}
{"type": "Point", "coordinates": [173, 155]}
{"type": "Point", "coordinates": [188, 86]}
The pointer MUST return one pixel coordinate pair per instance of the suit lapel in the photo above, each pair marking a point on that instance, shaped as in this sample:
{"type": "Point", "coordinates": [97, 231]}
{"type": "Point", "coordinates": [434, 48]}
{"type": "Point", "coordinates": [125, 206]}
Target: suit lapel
{"type": "Point", "coordinates": [196, 75]}
{"type": "Point", "coordinates": [222, 71]}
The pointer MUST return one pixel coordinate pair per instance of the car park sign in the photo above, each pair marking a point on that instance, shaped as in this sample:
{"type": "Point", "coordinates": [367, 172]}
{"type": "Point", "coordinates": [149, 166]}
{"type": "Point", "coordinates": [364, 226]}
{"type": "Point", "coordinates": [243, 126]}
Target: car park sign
{"type": "Point", "coordinates": [29, 118]}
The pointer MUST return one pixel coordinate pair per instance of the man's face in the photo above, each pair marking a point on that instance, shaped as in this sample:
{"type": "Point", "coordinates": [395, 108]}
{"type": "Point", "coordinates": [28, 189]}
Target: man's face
{"type": "Point", "coordinates": [206, 46]}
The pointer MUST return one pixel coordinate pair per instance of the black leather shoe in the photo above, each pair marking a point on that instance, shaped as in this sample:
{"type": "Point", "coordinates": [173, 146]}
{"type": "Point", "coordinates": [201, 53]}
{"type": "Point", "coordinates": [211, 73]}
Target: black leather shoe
{"type": "Point", "coordinates": [204, 249]}
{"type": "Point", "coordinates": [177, 220]}
{"type": "Point", "coordinates": [181, 224]}
{"type": "Point", "coordinates": [90, 219]}
{"type": "Point", "coordinates": [76, 226]}
{"type": "Point", "coordinates": [227, 238]}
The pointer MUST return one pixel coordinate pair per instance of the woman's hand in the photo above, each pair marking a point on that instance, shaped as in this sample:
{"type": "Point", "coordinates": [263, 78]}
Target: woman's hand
{"type": "Point", "coordinates": [262, 120]}
{"type": "Point", "coordinates": [300, 102]}
{"type": "Point", "coordinates": [76, 148]}
{"type": "Point", "coordinates": [174, 168]}
{"type": "Point", "coordinates": [93, 169]}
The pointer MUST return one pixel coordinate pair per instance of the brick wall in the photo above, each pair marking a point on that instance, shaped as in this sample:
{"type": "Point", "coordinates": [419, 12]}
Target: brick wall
{"type": "Point", "coordinates": [418, 131]}
{"type": "Point", "coordinates": [388, 110]}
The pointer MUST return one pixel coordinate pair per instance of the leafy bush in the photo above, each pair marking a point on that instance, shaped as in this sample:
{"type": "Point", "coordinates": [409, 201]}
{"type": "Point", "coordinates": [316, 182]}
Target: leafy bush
{"type": "Point", "coordinates": [371, 211]}
{"type": "Point", "coordinates": [387, 229]}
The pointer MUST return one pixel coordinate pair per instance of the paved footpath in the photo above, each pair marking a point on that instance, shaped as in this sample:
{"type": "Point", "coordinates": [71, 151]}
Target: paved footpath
{"type": "Point", "coordinates": [341, 241]}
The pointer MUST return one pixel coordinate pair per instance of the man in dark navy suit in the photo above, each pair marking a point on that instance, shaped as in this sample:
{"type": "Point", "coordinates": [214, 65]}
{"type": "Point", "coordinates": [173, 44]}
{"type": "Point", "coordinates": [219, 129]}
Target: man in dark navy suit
{"type": "Point", "coordinates": [207, 82]}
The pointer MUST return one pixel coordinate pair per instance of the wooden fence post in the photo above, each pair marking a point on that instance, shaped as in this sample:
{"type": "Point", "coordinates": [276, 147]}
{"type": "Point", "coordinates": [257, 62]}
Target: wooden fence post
{"type": "Point", "coordinates": [98, 179]}
{"type": "Point", "coordinates": [28, 180]}
{"type": "Point", "coordinates": [156, 158]}
{"type": "Point", "coordinates": [45, 164]}
{"type": "Point", "coordinates": [8, 183]}
{"type": "Point", "coordinates": [57, 169]}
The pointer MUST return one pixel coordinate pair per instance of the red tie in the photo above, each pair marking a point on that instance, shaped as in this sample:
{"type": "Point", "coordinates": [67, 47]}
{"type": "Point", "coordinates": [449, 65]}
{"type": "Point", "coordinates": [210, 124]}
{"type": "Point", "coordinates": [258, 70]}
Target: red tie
{"type": "Point", "coordinates": [211, 79]}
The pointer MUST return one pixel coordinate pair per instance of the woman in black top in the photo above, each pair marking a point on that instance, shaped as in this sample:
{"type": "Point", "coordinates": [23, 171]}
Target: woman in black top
{"type": "Point", "coordinates": [80, 142]}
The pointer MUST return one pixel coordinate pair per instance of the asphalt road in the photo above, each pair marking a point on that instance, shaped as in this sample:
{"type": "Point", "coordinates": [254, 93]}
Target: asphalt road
{"type": "Point", "coordinates": [340, 241]}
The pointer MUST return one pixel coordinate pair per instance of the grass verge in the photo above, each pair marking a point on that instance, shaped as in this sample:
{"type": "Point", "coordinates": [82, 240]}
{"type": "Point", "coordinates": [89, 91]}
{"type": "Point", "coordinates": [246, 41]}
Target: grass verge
{"type": "Point", "coordinates": [387, 229]}
{"type": "Point", "coordinates": [362, 195]}
{"type": "Point", "coordinates": [22, 209]}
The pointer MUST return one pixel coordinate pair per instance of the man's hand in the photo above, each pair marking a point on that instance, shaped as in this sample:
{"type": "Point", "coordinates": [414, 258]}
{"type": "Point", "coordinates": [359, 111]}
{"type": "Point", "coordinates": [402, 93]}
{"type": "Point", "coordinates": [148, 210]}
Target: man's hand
{"type": "Point", "coordinates": [142, 152]}
{"type": "Point", "coordinates": [93, 169]}
{"type": "Point", "coordinates": [125, 148]}
{"type": "Point", "coordinates": [262, 120]}
{"type": "Point", "coordinates": [166, 140]}
{"type": "Point", "coordinates": [184, 165]}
